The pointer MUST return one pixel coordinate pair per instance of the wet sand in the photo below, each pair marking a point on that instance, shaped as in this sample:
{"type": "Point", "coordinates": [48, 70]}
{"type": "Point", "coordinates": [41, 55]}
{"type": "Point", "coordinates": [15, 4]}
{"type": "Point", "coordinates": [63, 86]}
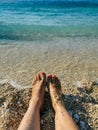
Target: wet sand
{"type": "Point", "coordinates": [70, 59]}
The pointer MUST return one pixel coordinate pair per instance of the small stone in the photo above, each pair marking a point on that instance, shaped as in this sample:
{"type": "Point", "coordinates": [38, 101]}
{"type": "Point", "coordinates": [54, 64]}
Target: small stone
{"type": "Point", "coordinates": [76, 118]}
{"type": "Point", "coordinates": [83, 125]}
{"type": "Point", "coordinates": [5, 105]}
{"type": "Point", "coordinates": [78, 84]}
{"type": "Point", "coordinates": [20, 105]}
{"type": "Point", "coordinates": [70, 113]}
{"type": "Point", "coordinates": [41, 121]}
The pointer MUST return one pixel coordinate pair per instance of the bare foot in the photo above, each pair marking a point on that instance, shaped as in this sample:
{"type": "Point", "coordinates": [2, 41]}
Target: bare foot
{"type": "Point", "coordinates": [38, 89]}
{"type": "Point", "coordinates": [54, 87]}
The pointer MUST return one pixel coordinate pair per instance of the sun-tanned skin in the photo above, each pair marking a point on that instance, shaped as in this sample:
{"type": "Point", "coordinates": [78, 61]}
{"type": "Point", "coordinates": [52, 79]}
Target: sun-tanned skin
{"type": "Point", "coordinates": [63, 120]}
{"type": "Point", "coordinates": [31, 120]}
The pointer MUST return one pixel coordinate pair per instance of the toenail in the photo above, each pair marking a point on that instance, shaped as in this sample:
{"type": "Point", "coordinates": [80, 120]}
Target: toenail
{"type": "Point", "coordinates": [39, 76]}
{"type": "Point", "coordinates": [43, 73]}
{"type": "Point", "coordinates": [49, 76]}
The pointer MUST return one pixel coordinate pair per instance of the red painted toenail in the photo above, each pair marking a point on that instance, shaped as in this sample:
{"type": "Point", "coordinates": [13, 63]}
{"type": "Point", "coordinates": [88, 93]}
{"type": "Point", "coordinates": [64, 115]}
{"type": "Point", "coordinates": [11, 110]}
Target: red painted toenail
{"type": "Point", "coordinates": [49, 76]}
{"type": "Point", "coordinates": [38, 75]}
{"type": "Point", "coordinates": [43, 73]}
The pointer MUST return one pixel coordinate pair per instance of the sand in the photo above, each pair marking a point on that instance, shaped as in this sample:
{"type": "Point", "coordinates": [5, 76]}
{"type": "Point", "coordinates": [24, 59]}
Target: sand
{"type": "Point", "coordinates": [81, 103]}
{"type": "Point", "coordinates": [74, 61]}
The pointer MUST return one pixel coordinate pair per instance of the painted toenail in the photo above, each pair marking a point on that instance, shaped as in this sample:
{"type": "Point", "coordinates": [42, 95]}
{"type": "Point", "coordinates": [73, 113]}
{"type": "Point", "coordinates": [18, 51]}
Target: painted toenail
{"type": "Point", "coordinates": [39, 76]}
{"type": "Point", "coordinates": [43, 73]}
{"type": "Point", "coordinates": [49, 76]}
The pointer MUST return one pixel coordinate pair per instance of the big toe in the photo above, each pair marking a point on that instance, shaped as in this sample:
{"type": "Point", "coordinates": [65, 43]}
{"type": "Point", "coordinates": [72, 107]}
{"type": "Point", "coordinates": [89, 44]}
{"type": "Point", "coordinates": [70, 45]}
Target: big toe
{"type": "Point", "coordinates": [53, 83]}
{"type": "Point", "coordinates": [39, 77]}
{"type": "Point", "coordinates": [43, 76]}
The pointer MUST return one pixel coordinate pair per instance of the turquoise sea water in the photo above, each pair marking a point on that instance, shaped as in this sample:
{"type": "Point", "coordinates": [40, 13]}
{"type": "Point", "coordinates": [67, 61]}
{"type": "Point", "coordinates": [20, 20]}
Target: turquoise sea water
{"type": "Point", "coordinates": [43, 20]}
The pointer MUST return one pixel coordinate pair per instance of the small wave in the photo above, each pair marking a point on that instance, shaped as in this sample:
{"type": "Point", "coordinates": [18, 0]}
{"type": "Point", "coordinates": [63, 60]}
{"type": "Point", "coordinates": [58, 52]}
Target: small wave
{"type": "Point", "coordinates": [14, 84]}
{"type": "Point", "coordinates": [34, 32]}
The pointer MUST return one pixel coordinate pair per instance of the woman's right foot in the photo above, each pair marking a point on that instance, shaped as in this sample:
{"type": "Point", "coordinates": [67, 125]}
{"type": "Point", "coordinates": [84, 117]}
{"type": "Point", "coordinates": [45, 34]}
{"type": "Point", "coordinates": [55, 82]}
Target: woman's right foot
{"type": "Point", "coordinates": [54, 87]}
{"type": "Point", "coordinates": [38, 89]}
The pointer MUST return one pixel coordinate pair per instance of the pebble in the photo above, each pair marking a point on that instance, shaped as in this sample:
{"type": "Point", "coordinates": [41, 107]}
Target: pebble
{"type": "Point", "coordinates": [83, 125]}
{"type": "Point", "coordinates": [78, 84]}
{"type": "Point", "coordinates": [5, 105]}
{"type": "Point", "coordinates": [70, 113]}
{"type": "Point", "coordinates": [76, 118]}
{"type": "Point", "coordinates": [96, 81]}
{"type": "Point", "coordinates": [41, 121]}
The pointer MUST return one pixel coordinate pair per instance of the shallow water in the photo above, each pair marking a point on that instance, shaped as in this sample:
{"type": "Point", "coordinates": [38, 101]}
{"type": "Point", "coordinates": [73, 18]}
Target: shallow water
{"type": "Point", "coordinates": [55, 37]}
{"type": "Point", "coordinates": [72, 63]}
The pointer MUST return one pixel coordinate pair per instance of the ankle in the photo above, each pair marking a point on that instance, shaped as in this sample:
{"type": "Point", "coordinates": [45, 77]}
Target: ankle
{"type": "Point", "coordinates": [58, 106]}
{"type": "Point", "coordinates": [34, 102]}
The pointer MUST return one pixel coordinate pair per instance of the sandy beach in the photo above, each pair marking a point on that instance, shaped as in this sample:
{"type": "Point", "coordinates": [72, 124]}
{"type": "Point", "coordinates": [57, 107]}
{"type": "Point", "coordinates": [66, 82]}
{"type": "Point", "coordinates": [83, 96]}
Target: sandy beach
{"type": "Point", "coordinates": [82, 104]}
{"type": "Point", "coordinates": [75, 65]}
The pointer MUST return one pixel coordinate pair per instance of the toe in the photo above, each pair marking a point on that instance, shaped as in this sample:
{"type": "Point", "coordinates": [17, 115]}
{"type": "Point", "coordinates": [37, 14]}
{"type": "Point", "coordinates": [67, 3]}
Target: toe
{"type": "Point", "coordinates": [38, 77]}
{"type": "Point", "coordinates": [43, 76]}
{"type": "Point", "coordinates": [49, 78]}
{"type": "Point", "coordinates": [55, 79]}
{"type": "Point", "coordinates": [34, 79]}
{"type": "Point", "coordinates": [56, 82]}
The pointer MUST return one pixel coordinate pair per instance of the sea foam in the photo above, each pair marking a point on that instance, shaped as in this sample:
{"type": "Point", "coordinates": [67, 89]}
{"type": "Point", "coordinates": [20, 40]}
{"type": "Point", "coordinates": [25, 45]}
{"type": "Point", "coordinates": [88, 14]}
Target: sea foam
{"type": "Point", "coordinates": [14, 84]}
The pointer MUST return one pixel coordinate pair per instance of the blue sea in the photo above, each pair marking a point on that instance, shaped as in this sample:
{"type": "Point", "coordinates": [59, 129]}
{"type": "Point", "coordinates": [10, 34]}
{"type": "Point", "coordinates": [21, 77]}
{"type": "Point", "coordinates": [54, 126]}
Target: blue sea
{"type": "Point", "coordinates": [31, 20]}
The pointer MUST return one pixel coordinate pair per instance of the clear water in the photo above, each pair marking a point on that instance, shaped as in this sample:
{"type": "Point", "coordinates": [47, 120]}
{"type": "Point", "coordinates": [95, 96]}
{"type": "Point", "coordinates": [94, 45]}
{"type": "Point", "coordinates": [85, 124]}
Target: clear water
{"type": "Point", "coordinates": [29, 20]}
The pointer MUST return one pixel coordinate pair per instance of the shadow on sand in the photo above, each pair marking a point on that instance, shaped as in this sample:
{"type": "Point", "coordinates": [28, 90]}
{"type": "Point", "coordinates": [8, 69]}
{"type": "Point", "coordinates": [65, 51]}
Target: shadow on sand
{"type": "Point", "coordinates": [75, 105]}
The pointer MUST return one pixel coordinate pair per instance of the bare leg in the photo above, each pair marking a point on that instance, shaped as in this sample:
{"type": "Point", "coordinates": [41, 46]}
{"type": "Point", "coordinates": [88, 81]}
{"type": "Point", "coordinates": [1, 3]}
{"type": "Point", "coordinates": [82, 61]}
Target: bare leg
{"type": "Point", "coordinates": [31, 120]}
{"type": "Point", "coordinates": [63, 120]}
